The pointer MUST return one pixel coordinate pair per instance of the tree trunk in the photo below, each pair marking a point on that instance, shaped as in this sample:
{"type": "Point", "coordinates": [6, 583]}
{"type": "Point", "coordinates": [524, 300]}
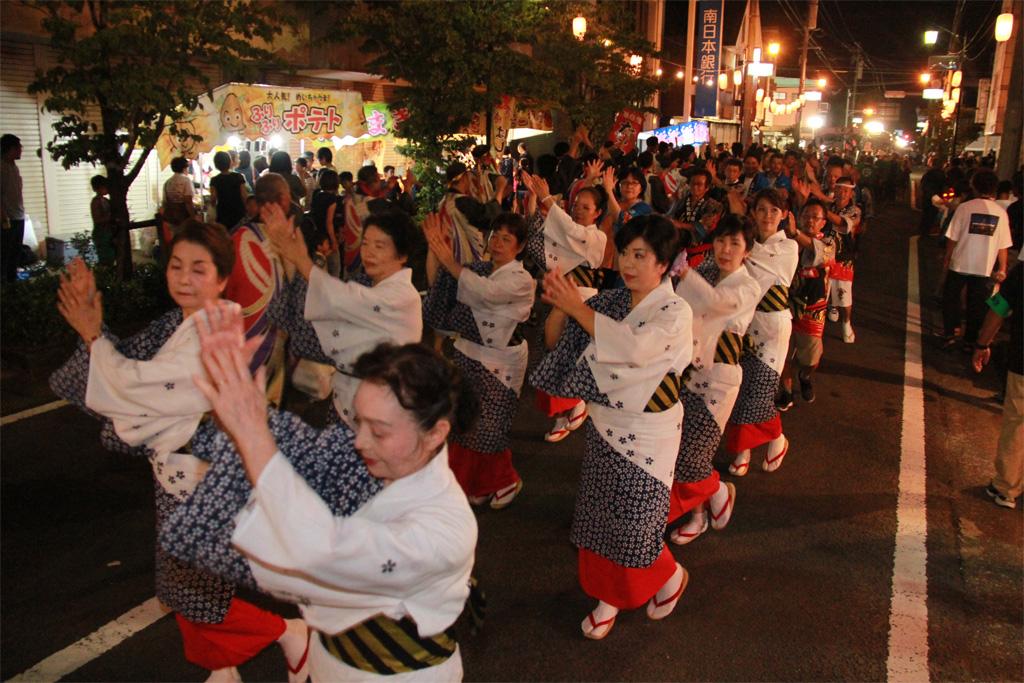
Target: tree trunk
{"type": "Point", "coordinates": [120, 222]}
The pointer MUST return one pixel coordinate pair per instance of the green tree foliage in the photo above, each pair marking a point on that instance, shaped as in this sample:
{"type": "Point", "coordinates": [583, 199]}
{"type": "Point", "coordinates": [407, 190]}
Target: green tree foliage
{"type": "Point", "coordinates": [593, 79]}
{"type": "Point", "coordinates": [456, 60]}
{"type": "Point", "coordinates": [128, 71]}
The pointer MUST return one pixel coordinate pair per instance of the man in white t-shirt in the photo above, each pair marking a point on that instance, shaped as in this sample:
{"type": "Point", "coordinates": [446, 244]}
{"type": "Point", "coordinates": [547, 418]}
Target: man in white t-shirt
{"type": "Point", "coordinates": [977, 238]}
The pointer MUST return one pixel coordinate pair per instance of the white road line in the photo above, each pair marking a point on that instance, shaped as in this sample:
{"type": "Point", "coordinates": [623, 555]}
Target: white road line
{"type": "Point", "coordinates": [31, 412]}
{"type": "Point", "coordinates": [73, 657]}
{"type": "Point", "coordinates": [908, 613]}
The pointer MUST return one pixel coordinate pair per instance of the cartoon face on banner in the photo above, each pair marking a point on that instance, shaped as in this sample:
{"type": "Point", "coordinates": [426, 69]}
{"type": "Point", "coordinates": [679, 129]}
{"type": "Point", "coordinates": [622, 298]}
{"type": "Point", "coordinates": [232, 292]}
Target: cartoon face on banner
{"type": "Point", "coordinates": [232, 118]}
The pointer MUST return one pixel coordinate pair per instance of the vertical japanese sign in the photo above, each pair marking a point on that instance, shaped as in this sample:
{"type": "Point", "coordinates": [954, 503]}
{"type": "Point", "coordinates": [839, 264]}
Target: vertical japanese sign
{"type": "Point", "coordinates": [709, 49]}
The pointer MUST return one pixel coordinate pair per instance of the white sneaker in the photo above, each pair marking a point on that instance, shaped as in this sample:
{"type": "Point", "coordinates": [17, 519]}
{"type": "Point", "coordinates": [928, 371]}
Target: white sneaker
{"type": "Point", "coordinates": [848, 336]}
{"type": "Point", "coordinates": [559, 431]}
{"type": "Point", "coordinates": [833, 314]}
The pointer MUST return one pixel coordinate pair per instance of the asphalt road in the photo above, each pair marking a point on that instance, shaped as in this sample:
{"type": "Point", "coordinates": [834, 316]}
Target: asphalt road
{"type": "Point", "coordinates": [798, 587]}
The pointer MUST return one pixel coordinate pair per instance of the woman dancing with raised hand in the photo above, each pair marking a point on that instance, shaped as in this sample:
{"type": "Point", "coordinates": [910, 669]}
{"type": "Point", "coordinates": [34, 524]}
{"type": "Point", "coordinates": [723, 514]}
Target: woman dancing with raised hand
{"type": "Point", "coordinates": [143, 390]}
{"type": "Point", "coordinates": [367, 530]}
{"type": "Point", "coordinates": [346, 319]}
{"type": "Point", "coordinates": [723, 295]}
{"type": "Point", "coordinates": [484, 303]}
{"type": "Point", "coordinates": [576, 246]}
{"type": "Point", "coordinates": [755, 419]}
{"type": "Point", "coordinates": [623, 351]}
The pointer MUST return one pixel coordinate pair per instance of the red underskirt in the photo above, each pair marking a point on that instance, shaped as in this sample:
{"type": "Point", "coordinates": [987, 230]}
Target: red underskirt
{"type": "Point", "coordinates": [244, 633]}
{"type": "Point", "coordinates": [740, 437]}
{"type": "Point", "coordinates": [623, 587]}
{"type": "Point", "coordinates": [481, 474]}
{"type": "Point", "coordinates": [687, 496]}
{"type": "Point", "coordinates": [554, 405]}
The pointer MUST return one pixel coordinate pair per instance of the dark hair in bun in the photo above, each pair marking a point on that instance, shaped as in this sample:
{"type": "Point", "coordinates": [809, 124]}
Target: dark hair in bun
{"type": "Point", "coordinates": [425, 384]}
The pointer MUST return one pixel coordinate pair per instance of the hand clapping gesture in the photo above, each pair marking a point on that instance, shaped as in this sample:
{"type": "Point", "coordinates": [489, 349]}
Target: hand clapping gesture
{"type": "Point", "coordinates": [239, 400]}
{"type": "Point", "coordinates": [592, 171]}
{"type": "Point", "coordinates": [79, 302]}
{"type": "Point", "coordinates": [561, 292]}
{"type": "Point", "coordinates": [286, 239]}
{"type": "Point", "coordinates": [439, 241]}
{"type": "Point", "coordinates": [536, 185]}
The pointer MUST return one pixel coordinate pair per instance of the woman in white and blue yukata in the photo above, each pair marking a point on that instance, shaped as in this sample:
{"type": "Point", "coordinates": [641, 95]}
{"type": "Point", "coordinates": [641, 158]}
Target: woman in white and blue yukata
{"type": "Point", "coordinates": [623, 351]}
{"type": "Point", "coordinates": [484, 303]}
{"type": "Point", "coordinates": [335, 322]}
{"type": "Point", "coordinates": [772, 262]}
{"type": "Point", "coordinates": [365, 528]}
{"type": "Point", "coordinates": [723, 295]}
{"type": "Point", "coordinates": [575, 244]}
{"type": "Point", "coordinates": [143, 390]}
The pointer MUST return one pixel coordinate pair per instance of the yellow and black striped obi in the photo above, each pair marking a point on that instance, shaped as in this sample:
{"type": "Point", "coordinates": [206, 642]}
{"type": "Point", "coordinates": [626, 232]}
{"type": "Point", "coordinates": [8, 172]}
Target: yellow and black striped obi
{"type": "Point", "coordinates": [585, 276]}
{"type": "Point", "coordinates": [729, 348]}
{"type": "Point", "coordinates": [777, 299]}
{"type": "Point", "coordinates": [384, 646]}
{"type": "Point", "coordinates": [666, 395]}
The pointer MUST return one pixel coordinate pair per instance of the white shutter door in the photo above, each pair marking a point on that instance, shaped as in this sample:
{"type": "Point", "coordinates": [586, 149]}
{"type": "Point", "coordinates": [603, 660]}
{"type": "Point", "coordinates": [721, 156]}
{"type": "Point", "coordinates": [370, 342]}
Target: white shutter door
{"type": "Point", "coordinates": [19, 115]}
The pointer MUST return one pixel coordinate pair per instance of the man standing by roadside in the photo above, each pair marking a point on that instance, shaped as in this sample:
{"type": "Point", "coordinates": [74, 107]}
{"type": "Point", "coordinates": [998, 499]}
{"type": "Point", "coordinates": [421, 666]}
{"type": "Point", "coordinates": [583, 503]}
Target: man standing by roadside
{"type": "Point", "coordinates": [12, 207]}
{"type": "Point", "coordinates": [933, 182]}
{"type": "Point", "coordinates": [1009, 480]}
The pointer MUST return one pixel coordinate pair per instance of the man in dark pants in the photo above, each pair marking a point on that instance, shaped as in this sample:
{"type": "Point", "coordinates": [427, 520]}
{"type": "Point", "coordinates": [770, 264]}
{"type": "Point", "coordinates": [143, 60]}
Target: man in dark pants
{"type": "Point", "coordinates": [933, 182]}
{"type": "Point", "coordinates": [12, 207]}
{"type": "Point", "coordinates": [978, 237]}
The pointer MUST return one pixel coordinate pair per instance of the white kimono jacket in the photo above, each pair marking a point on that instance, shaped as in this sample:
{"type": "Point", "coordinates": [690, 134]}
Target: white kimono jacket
{"type": "Point", "coordinates": [568, 244]}
{"type": "Point", "coordinates": [154, 403]}
{"type": "Point", "coordinates": [726, 307]}
{"type": "Point", "coordinates": [407, 552]}
{"type": "Point", "coordinates": [499, 303]}
{"type": "Point", "coordinates": [629, 359]}
{"type": "Point", "coordinates": [351, 319]}
{"type": "Point", "coordinates": [771, 263]}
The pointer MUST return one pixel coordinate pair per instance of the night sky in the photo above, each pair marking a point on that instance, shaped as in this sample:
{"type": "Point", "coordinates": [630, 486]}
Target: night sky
{"type": "Point", "coordinates": [890, 33]}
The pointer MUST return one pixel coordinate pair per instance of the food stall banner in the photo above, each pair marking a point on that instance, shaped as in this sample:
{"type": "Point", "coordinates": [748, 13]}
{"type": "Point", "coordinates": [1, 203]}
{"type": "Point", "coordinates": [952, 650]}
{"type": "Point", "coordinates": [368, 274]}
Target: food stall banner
{"type": "Point", "coordinates": [628, 124]}
{"type": "Point", "coordinates": [263, 111]}
{"type": "Point", "coordinates": [690, 133]}
{"type": "Point", "coordinates": [709, 47]}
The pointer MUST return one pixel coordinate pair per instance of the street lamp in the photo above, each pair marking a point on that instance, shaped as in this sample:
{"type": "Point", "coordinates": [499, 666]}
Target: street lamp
{"type": "Point", "coordinates": [679, 75]}
{"type": "Point", "coordinates": [868, 111]}
{"type": "Point", "coordinates": [659, 71]}
{"type": "Point", "coordinates": [1004, 27]}
{"type": "Point", "coordinates": [925, 78]}
{"type": "Point", "coordinates": [822, 82]}
{"type": "Point", "coordinates": [931, 37]}
{"type": "Point", "coordinates": [579, 27]}
{"type": "Point", "coordinates": [773, 49]}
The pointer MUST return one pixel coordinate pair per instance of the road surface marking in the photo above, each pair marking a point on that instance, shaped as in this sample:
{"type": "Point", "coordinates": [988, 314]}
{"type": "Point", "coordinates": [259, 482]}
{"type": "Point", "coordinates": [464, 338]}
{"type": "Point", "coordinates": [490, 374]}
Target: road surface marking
{"type": "Point", "coordinates": [908, 612]}
{"type": "Point", "coordinates": [74, 656]}
{"type": "Point", "coordinates": [31, 412]}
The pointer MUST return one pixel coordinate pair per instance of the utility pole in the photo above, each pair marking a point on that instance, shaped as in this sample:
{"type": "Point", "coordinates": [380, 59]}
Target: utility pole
{"type": "Point", "coordinates": [851, 95]}
{"type": "Point", "coordinates": [691, 31]}
{"type": "Point", "coordinates": [812, 23]}
{"type": "Point", "coordinates": [954, 46]}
